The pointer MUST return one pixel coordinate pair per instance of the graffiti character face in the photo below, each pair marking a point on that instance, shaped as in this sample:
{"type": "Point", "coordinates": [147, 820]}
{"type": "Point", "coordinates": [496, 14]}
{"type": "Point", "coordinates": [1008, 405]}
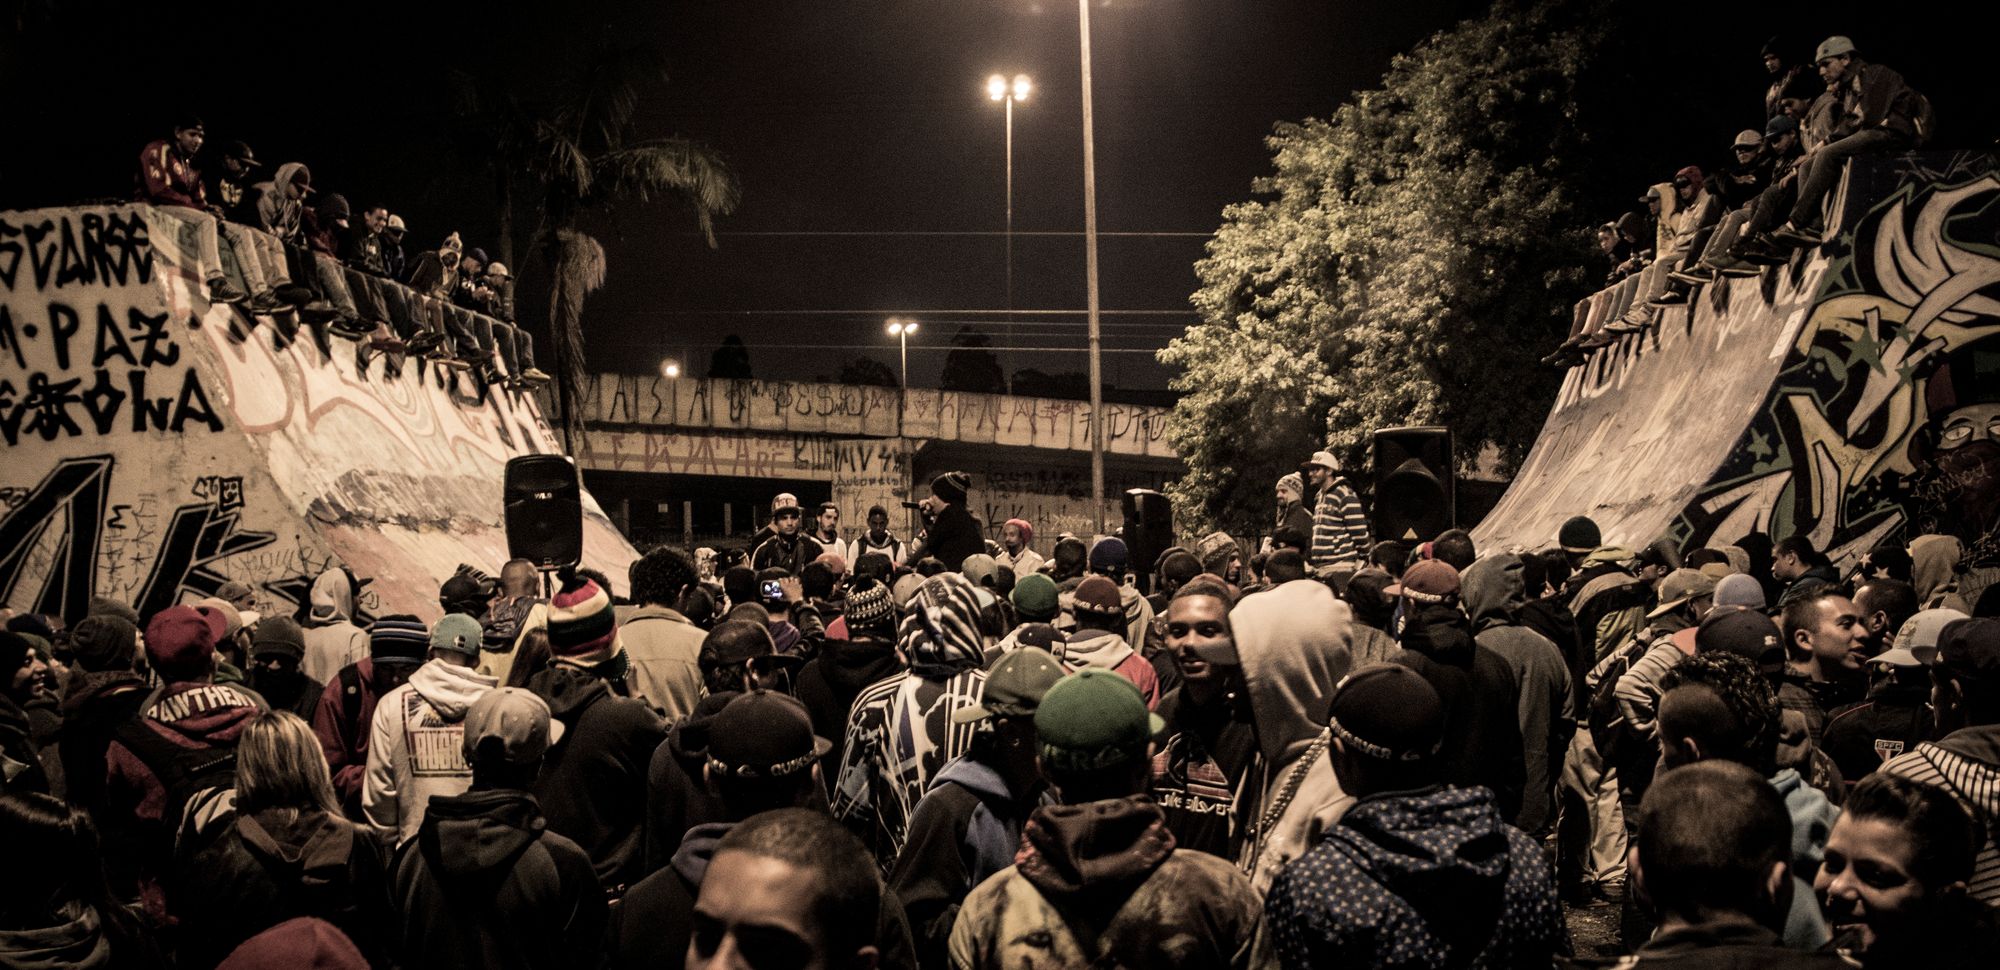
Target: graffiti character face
{"type": "Point", "coordinates": [1978, 422]}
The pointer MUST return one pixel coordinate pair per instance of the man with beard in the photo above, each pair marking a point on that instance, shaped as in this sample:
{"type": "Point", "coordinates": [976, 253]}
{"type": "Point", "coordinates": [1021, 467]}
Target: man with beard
{"type": "Point", "coordinates": [1209, 745]}
{"type": "Point", "coordinates": [786, 549]}
{"type": "Point", "coordinates": [276, 651]}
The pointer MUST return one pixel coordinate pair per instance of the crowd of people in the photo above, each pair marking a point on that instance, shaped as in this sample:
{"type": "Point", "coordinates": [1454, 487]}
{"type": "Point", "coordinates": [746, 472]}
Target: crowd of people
{"type": "Point", "coordinates": [1767, 198]}
{"type": "Point", "coordinates": [955, 752]}
{"type": "Point", "coordinates": [281, 244]}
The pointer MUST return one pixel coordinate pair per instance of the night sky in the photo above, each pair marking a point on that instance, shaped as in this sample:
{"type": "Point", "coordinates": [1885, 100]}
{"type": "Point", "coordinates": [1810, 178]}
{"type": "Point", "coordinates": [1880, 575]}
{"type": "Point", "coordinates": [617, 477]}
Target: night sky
{"type": "Point", "coordinates": [864, 139]}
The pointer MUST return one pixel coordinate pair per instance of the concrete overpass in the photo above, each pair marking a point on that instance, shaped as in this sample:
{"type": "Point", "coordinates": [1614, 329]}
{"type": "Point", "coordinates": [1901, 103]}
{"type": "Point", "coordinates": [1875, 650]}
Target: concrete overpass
{"type": "Point", "coordinates": [672, 455]}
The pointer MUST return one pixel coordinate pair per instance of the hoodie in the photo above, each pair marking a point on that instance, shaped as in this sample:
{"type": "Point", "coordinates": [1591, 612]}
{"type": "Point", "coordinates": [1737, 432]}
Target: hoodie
{"type": "Point", "coordinates": [416, 747]}
{"type": "Point", "coordinates": [1934, 572]}
{"type": "Point", "coordinates": [1102, 648]}
{"type": "Point", "coordinates": [677, 798]}
{"type": "Point", "coordinates": [332, 639]}
{"type": "Point", "coordinates": [485, 884]}
{"type": "Point", "coordinates": [828, 685]}
{"type": "Point", "coordinates": [279, 864]}
{"type": "Point", "coordinates": [1482, 736]}
{"type": "Point", "coordinates": [593, 782]}
{"type": "Point", "coordinates": [81, 939]}
{"type": "Point", "coordinates": [1101, 884]}
{"type": "Point", "coordinates": [276, 209]}
{"type": "Point", "coordinates": [1494, 594]}
{"type": "Point", "coordinates": [1431, 878]}
{"type": "Point", "coordinates": [650, 926]}
{"type": "Point", "coordinates": [966, 829]}
{"type": "Point", "coordinates": [1294, 644]}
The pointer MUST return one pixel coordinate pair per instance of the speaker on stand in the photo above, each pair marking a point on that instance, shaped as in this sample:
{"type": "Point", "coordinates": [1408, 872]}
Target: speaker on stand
{"type": "Point", "coordinates": [1149, 531]}
{"type": "Point", "coordinates": [1415, 483]}
{"type": "Point", "coordinates": [543, 502]}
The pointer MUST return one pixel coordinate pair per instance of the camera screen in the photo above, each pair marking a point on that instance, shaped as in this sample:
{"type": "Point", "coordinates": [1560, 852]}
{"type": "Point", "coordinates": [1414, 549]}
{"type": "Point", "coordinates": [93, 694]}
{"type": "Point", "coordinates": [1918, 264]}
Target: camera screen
{"type": "Point", "coordinates": [772, 590]}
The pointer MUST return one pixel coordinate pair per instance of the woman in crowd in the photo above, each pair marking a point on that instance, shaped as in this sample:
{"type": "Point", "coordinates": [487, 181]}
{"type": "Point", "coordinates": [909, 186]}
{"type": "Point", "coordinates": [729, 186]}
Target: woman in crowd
{"type": "Point", "coordinates": [56, 909]}
{"type": "Point", "coordinates": [285, 853]}
{"type": "Point", "coordinates": [1893, 883]}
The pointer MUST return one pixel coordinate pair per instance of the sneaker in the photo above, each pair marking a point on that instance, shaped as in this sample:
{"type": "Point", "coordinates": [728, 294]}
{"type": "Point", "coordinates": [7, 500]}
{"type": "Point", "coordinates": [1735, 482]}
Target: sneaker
{"type": "Point", "coordinates": [266, 302]}
{"type": "Point", "coordinates": [454, 363]}
{"type": "Point", "coordinates": [294, 294]}
{"type": "Point", "coordinates": [220, 290]}
{"type": "Point", "coordinates": [533, 377]}
{"type": "Point", "coordinates": [1762, 251]}
{"type": "Point", "coordinates": [1694, 277]}
{"type": "Point", "coordinates": [1797, 237]}
{"type": "Point", "coordinates": [1669, 298]}
{"type": "Point", "coordinates": [350, 327]}
{"type": "Point", "coordinates": [318, 311]}
{"type": "Point", "coordinates": [1600, 340]}
{"type": "Point", "coordinates": [1739, 269]}
{"type": "Point", "coordinates": [385, 340]}
{"type": "Point", "coordinates": [425, 342]}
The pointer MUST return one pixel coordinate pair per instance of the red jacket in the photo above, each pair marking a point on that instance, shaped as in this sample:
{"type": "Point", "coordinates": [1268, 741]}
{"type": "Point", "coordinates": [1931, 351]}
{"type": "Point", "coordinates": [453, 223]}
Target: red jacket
{"type": "Point", "coordinates": [166, 177]}
{"type": "Point", "coordinates": [345, 713]}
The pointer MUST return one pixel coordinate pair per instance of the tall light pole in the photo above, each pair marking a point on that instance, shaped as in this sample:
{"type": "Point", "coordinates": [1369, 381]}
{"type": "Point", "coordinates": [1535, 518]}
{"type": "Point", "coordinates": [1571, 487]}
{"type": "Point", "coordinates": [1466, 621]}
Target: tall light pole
{"type": "Point", "coordinates": [1000, 89]}
{"type": "Point", "coordinates": [1090, 276]}
{"type": "Point", "coordinates": [901, 328]}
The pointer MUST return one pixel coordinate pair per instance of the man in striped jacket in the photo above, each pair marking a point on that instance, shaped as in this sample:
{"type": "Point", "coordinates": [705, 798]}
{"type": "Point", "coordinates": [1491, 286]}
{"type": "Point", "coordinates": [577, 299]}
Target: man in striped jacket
{"type": "Point", "coordinates": [1966, 762]}
{"type": "Point", "coordinates": [1340, 538]}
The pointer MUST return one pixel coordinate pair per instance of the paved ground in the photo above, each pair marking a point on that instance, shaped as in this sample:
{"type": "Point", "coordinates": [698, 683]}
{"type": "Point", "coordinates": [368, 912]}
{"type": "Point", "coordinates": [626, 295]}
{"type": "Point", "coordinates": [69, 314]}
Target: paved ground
{"type": "Point", "coordinates": [1593, 930]}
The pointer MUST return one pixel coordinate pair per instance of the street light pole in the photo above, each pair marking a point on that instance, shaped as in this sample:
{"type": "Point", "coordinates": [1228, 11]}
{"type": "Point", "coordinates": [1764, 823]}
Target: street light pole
{"type": "Point", "coordinates": [1090, 277]}
{"type": "Point", "coordinates": [1000, 89]}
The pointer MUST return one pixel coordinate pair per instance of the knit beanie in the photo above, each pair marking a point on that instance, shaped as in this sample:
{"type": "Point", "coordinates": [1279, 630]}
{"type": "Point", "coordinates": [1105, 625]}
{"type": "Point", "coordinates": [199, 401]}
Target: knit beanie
{"type": "Point", "coordinates": [952, 486]}
{"type": "Point", "coordinates": [868, 605]}
{"type": "Point", "coordinates": [398, 639]}
{"type": "Point", "coordinates": [280, 635]}
{"type": "Point", "coordinates": [1109, 555]}
{"type": "Point", "coordinates": [103, 642]}
{"type": "Point", "coordinates": [1027, 531]}
{"type": "Point", "coordinates": [105, 606]}
{"type": "Point", "coordinates": [1214, 551]}
{"type": "Point", "coordinates": [1035, 598]}
{"type": "Point", "coordinates": [1579, 534]}
{"type": "Point", "coordinates": [1291, 480]}
{"type": "Point", "coordinates": [582, 629]}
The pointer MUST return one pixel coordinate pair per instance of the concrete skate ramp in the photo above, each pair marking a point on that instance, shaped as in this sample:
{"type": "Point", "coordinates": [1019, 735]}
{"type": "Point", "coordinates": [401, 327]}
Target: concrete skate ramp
{"type": "Point", "coordinates": [1817, 399]}
{"type": "Point", "coordinates": [157, 445]}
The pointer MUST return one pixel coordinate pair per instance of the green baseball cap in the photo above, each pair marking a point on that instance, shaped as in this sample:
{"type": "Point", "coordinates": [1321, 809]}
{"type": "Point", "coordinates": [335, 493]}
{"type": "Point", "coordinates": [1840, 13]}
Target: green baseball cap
{"type": "Point", "coordinates": [1035, 597]}
{"type": "Point", "coordinates": [1014, 686]}
{"type": "Point", "coordinates": [1094, 719]}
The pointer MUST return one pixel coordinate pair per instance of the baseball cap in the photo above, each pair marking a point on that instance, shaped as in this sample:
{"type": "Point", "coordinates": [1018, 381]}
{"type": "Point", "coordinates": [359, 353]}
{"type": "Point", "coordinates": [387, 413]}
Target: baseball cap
{"type": "Point", "coordinates": [180, 643]}
{"type": "Point", "coordinates": [1917, 640]}
{"type": "Point", "coordinates": [395, 224]}
{"type": "Point", "coordinates": [1679, 587]}
{"type": "Point", "coordinates": [457, 633]}
{"type": "Point", "coordinates": [979, 568]}
{"type": "Point", "coordinates": [1097, 594]}
{"type": "Point", "coordinates": [1748, 138]}
{"type": "Point", "coordinates": [240, 152]}
{"type": "Point", "coordinates": [785, 503]}
{"type": "Point", "coordinates": [1739, 589]}
{"type": "Point", "coordinates": [1430, 581]}
{"type": "Point", "coordinates": [1743, 632]}
{"type": "Point", "coordinates": [223, 610]}
{"type": "Point", "coordinates": [763, 734]}
{"type": "Point", "coordinates": [1780, 125]}
{"type": "Point", "coordinates": [517, 719]}
{"type": "Point", "coordinates": [1094, 719]}
{"type": "Point", "coordinates": [1035, 597]}
{"type": "Point", "coordinates": [1109, 555]}
{"type": "Point", "coordinates": [1833, 47]}
{"type": "Point", "coordinates": [1388, 712]}
{"type": "Point", "coordinates": [1971, 649]}
{"type": "Point", "coordinates": [1322, 459]}
{"type": "Point", "coordinates": [1014, 687]}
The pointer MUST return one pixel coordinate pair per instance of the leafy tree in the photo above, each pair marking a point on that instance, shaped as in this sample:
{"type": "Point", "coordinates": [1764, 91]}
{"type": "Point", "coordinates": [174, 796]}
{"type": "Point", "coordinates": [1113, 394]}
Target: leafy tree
{"type": "Point", "coordinates": [731, 360]}
{"type": "Point", "coordinates": [868, 370]}
{"type": "Point", "coordinates": [970, 366]}
{"type": "Point", "coordinates": [1406, 262]}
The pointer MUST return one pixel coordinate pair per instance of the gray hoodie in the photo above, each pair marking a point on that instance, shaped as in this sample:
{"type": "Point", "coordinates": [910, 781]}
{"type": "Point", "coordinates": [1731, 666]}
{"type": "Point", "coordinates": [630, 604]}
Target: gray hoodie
{"type": "Point", "coordinates": [277, 209]}
{"type": "Point", "coordinates": [332, 639]}
{"type": "Point", "coordinates": [416, 746]}
{"type": "Point", "coordinates": [1493, 593]}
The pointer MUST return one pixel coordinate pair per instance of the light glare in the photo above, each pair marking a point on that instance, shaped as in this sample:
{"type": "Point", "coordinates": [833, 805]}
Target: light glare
{"type": "Point", "coordinates": [996, 87]}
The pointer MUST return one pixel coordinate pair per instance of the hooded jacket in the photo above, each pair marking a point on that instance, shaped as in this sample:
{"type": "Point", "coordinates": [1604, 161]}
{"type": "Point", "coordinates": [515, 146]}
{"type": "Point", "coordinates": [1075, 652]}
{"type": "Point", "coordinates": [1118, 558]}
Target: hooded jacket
{"type": "Point", "coordinates": [1434, 878]}
{"type": "Point", "coordinates": [965, 830]}
{"type": "Point", "coordinates": [662, 648]}
{"type": "Point", "coordinates": [275, 865]}
{"type": "Point", "coordinates": [952, 536]}
{"type": "Point", "coordinates": [486, 885]}
{"type": "Point", "coordinates": [94, 705]}
{"type": "Point", "coordinates": [345, 719]}
{"type": "Point", "coordinates": [81, 939]}
{"type": "Point", "coordinates": [1494, 593]}
{"type": "Point", "coordinates": [650, 927]}
{"type": "Point", "coordinates": [1482, 736]}
{"type": "Point", "coordinates": [1965, 763]}
{"type": "Point", "coordinates": [1293, 641]}
{"type": "Point", "coordinates": [828, 685]}
{"type": "Point", "coordinates": [332, 639]}
{"type": "Point", "coordinates": [677, 797]}
{"type": "Point", "coordinates": [276, 209]}
{"type": "Point", "coordinates": [593, 782]}
{"type": "Point", "coordinates": [899, 732]}
{"type": "Point", "coordinates": [1934, 572]}
{"type": "Point", "coordinates": [1101, 885]}
{"type": "Point", "coordinates": [416, 747]}
{"type": "Point", "coordinates": [1101, 648]}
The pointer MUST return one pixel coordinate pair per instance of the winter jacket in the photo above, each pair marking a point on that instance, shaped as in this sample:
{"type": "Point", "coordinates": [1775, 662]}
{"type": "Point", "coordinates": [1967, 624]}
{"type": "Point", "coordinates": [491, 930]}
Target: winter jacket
{"type": "Point", "coordinates": [1100, 648]}
{"type": "Point", "coordinates": [1934, 572]}
{"type": "Point", "coordinates": [952, 536]}
{"type": "Point", "coordinates": [277, 212]}
{"type": "Point", "coordinates": [887, 545]}
{"type": "Point", "coordinates": [1296, 517]}
{"type": "Point", "coordinates": [1874, 96]}
{"type": "Point", "coordinates": [1493, 595]}
{"type": "Point", "coordinates": [1434, 878]}
{"type": "Point", "coordinates": [81, 938]}
{"type": "Point", "coordinates": [1730, 945]}
{"type": "Point", "coordinates": [1553, 620]}
{"type": "Point", "coordinates": [1482, 731]}
{"type": "Point", "coordinates": [486, 885]}
{"type": "Point", "coordinates": [593, 782]}
{"type": "Point", "coordinates": [662, 647]}
{"type": "Point", "coordinates": [677, 796]}
{"type": "Point", "coordinates": [263, 869]}
{"type": "Point", "coordinates": [1894, 719]}
{"type": "Point", "coordinates": [828, 685]}
{"type": "Point", "coordinates": [1294, 644]}
{"type": "Point", "coordinates": [332, 639]}
{"type": "Point", "coordinates": [1101, 884]}
{"type": "Point", "coordinates": [1965, 763]}
{"type": "Point", "coordinates": [345, 719]}
{"type": "Point", "coordinates": [292, 691]}
{"type": "Point", "coordinates": [94, 706]}
{"type": "Point", "coordinates": [1203, 759]}
{"type": "Point", "coordinates": [1638, 689]}
{"type": "Point", "coordinates": [187, 720]}
{"type": "Point", "coordinates": [416, 747]}
{"type": "Point", "coordinates": [362, 249]}
{"type": "Point", "coordinates": [965, 830]}
{"type": "Point", "coordinates": [789, 553]}
{"type": "Point", "coordinates": [168, 177]}
{"type": "Point", "coordinates": [1340, 530]}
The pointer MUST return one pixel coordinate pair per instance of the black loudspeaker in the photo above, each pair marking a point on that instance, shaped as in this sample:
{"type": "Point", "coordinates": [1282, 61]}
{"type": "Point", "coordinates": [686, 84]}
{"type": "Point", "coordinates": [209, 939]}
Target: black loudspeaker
{"type": "Point", "coordinates": [1149, 527]}
{"type": "Point", "coordinates": [1415, 483]}
{"type": "Point", "coordinates": [544, 506]}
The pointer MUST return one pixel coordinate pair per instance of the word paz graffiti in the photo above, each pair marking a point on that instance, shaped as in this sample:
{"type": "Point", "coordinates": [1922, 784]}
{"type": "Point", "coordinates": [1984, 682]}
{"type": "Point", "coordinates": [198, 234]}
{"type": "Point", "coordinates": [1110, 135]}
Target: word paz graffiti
{"type": "Point", "coordinates": [51, 407]}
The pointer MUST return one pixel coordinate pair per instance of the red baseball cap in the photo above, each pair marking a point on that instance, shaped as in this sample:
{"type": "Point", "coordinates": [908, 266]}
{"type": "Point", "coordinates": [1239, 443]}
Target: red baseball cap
{"type": "Point", "coordinates": [1430, 581]}
{"type": "Point", "coordinates": [180, 643]}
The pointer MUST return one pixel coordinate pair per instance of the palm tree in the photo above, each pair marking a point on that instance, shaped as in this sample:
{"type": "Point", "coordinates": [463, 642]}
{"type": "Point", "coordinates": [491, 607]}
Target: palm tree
{"type": "Point", "coordinates": [579, 155]}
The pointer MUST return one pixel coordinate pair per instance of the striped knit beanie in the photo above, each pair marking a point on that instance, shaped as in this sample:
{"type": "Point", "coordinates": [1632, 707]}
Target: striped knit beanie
{"type": "Point", "coordinates": [398, 639]}
{"type": "Point", "coordinates": [582, 628]}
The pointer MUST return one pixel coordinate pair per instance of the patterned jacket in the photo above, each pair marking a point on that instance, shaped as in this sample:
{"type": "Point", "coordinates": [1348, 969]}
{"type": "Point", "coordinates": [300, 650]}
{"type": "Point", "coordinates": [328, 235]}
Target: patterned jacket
{"type": "Point", "coordinates": [1340, 530]}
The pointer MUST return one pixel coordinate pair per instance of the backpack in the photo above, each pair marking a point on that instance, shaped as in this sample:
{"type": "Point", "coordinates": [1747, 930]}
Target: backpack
{"type": "Point", "coordinates": [1609, 731]}
{"type": "Point", "coordinates": [199, 783]}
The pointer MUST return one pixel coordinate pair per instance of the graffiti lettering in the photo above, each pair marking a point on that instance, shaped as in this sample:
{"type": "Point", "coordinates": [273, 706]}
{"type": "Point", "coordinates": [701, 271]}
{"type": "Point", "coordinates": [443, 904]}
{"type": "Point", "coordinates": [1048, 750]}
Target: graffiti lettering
{"type": "Point", "coordinates": [65, 511]}
{"type": "Point", "coordinates": [106, 248]}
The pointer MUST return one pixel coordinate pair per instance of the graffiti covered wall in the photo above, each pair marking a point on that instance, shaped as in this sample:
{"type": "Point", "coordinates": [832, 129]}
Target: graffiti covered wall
{"type": "Point", "coordinates": [158, 445]}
